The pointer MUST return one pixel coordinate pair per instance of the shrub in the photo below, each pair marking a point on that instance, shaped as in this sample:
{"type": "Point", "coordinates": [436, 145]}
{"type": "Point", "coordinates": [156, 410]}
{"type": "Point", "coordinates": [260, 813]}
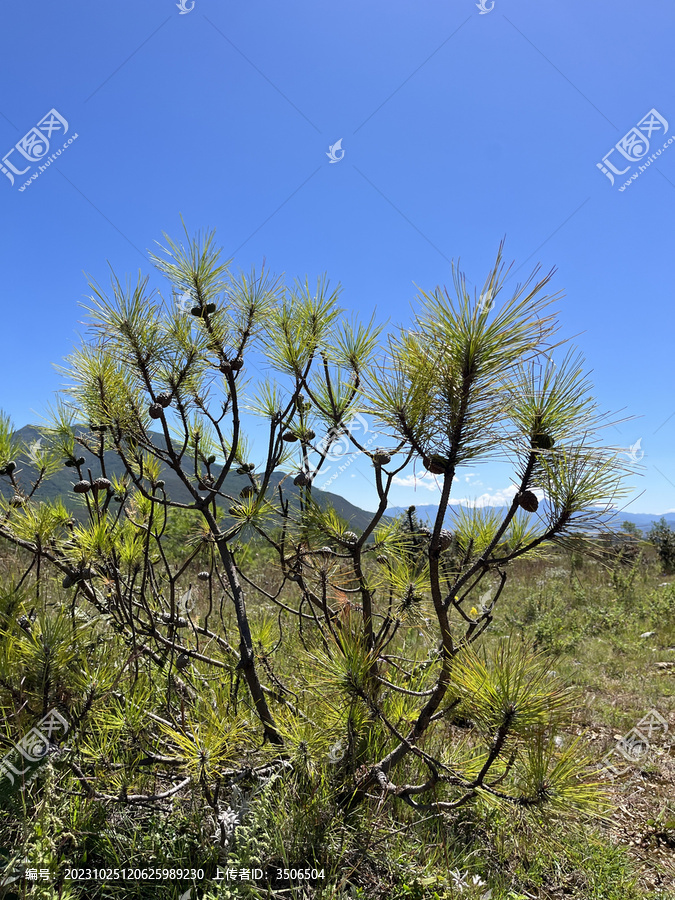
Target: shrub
{"type": "Point", "coordinates": [215, 687]}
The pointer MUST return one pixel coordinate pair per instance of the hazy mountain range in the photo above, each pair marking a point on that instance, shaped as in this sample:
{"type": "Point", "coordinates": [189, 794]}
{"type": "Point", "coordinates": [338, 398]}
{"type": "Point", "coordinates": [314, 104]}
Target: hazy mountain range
{"type": "Point", "coordinates": [428, 512]}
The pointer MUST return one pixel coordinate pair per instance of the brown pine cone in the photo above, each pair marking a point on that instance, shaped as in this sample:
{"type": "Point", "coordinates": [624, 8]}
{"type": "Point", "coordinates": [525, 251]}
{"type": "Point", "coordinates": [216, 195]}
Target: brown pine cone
{"type": "Point", "coordinates": [528, 501]}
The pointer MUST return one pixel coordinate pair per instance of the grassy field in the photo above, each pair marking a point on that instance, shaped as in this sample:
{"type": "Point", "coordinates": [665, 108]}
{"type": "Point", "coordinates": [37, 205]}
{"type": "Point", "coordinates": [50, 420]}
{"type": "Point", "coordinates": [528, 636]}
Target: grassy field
{"type": "Point", "coordinates": [608, 630]}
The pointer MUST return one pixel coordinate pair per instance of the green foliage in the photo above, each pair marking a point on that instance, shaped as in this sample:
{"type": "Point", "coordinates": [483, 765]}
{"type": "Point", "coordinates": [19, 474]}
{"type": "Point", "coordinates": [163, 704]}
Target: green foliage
{"type": "Point", "coordinates": [662, 536]}
{"type": "Point", "coordinates": [240, 664]}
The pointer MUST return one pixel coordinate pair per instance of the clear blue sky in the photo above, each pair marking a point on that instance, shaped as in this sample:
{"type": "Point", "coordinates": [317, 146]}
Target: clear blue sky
{"type": "Point", "coordinates": [457, 128]}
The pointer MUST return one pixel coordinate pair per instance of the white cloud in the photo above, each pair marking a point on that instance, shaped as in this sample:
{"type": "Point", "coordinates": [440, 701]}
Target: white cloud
{"type": "Point", "coordinates": [499, 498]}
{"type": "Point", "coordinates": [425, 480]}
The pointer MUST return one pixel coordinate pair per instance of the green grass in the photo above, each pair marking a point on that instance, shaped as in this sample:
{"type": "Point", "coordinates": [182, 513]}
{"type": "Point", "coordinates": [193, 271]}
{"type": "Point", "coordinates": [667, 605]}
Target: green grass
{"type": "Point", "coordinates": [586, 616]}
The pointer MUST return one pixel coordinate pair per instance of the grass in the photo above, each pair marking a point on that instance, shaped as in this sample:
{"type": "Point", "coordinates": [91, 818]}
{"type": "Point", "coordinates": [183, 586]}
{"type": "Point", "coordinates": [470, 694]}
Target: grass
{"type": "Point", "coordinates": [607, 631]}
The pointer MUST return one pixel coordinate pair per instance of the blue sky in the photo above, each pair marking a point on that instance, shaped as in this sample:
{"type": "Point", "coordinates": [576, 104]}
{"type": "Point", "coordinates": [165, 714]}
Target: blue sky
{"type": "Point", "coordinates": [458, 128]}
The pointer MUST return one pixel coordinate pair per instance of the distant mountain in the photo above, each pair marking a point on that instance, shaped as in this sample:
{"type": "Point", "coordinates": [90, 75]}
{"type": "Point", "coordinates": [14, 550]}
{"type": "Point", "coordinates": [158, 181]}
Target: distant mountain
{"type": "Point", "coordinates": [428, 512]}
{"type": "Point", "coordinates": [60, 484]}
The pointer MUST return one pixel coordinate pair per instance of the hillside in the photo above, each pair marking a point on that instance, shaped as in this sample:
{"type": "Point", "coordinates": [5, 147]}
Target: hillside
{"type": "Point", "coordinates": [60, 484]}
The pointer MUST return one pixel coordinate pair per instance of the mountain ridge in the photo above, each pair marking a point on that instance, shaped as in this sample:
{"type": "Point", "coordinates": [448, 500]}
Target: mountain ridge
{"type": "Point", "coordinates": [61, 483]}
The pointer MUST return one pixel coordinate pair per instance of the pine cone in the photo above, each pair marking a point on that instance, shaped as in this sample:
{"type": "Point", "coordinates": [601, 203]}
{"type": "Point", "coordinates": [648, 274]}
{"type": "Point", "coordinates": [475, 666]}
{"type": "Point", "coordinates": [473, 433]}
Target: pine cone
{"type": "Point", "coordinates": [381, 458]}
{"type": "Point", "coordinates": [101, 484]}
{"type": "Point", "coordinates": [231, 365]}
{"type": "Point", "coordinates": [301, 479]}
{"type": "Point", "coordinates": [245, 469]}
{"type": "Point", "coordinates": [183, 661]}
{"type": "Point", "coordinates": [289, 437]}
{"type": "Point", "coordinates": [155, 411]}
{"type": "Point", "coordinates": [82, 487]}
{"type": "Point", "coordinates": [204, 576]}
{"type": "Point", "coordinates": [445, 539]}
{"type": "Point", "coordinates": [8, 469]}
{"type": "Point", "coordinates": [210, 460]}
{"type": "Point", "coordinates": [350, 537]}
{"type": "Point", "coordinates": [164, 399]}
{"type": "Point", "coordinates": [247, 492]}
{"type": "Point", "coordinates": [542, 441]}
{"type": "Point", "coordinates": [528, 501]}
{"type": "Point", "coordinates": [436, 464]}
{"type": "Point", "coordinates": [202, 311]}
